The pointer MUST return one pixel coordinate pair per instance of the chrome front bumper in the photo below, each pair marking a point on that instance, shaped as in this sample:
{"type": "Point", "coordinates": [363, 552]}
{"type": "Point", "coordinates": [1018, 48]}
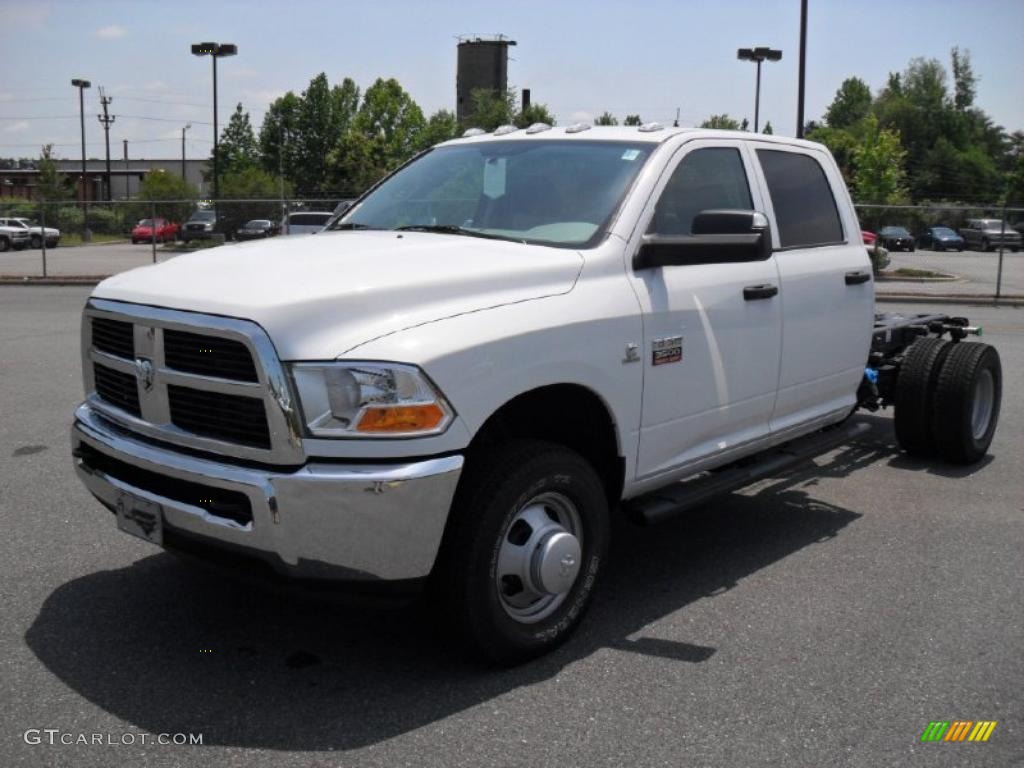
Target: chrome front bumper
{"type": "Point", "coordinates": [348, 522]}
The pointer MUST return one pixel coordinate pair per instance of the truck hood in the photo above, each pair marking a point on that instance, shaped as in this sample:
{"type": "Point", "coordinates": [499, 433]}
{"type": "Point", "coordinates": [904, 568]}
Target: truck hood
{"type": "Point", "coordinates": [319, 296]}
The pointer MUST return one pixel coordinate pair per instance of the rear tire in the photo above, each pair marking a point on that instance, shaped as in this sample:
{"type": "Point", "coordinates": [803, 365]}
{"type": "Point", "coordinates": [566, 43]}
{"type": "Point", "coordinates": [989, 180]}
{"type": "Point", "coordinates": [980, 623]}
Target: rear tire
{"type": "Point", "coordinates": [5, 244]}
{"type": "Point", "coordinates": [915, 388]}
{"type": "Point", "coordinates": [510, 507]}
{"type": "Point", "coordinates": [968, 395]}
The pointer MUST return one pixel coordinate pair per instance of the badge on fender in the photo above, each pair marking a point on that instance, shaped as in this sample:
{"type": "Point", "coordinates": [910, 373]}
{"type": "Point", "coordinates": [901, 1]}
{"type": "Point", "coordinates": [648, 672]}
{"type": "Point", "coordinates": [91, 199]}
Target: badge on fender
{"type": "Point", "coordinates": [667, 350]}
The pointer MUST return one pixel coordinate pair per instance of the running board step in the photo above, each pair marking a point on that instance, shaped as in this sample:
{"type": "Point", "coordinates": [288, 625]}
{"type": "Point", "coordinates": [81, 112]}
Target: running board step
{"type": "Point", "coordinates": [683, 496]}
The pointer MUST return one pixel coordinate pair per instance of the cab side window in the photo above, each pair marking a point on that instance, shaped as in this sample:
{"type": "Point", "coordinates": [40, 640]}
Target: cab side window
{"type": "Point", "coordinates": [805, 210]}
{"type": "Point", "coordinates": [705, 179]}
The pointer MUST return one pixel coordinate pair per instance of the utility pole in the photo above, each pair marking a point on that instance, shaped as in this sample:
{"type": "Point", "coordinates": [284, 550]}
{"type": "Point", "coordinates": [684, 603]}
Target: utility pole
{"type": "Point", "coordinates": [107, 121]}
{"type": "Point", "coordinates": [676, 123]}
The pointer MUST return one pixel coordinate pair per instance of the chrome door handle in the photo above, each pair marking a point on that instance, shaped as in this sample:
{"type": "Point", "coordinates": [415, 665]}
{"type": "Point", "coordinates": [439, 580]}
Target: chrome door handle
{"type": "Point", "coordinates": [755, 292]}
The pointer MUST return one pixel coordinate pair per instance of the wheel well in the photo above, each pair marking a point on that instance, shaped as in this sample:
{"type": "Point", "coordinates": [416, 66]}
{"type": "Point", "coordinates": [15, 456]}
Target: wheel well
{"type": "Point", "coordinates": [567, 414]}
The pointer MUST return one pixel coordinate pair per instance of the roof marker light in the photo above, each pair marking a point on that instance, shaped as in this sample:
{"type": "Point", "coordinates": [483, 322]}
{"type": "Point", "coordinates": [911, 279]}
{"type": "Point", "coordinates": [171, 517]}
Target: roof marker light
{"type": "Point", "coordinates": [578, 127]}
{"type": "Point", "coordinates": [503, 130]}
{"type": "Point", "coordinates": [651, 127]}
{"type": "Point", "coordinates": [538, 128]}
{"type": "Point", "coordinates": [473, 132]}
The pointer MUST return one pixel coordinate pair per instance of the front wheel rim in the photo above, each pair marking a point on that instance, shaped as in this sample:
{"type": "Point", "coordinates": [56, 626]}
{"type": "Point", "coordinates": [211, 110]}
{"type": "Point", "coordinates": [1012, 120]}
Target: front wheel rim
{"type": "Point", "coordinates": [539, 557]}
{"type": "Point", "coordinates": [982, 405]}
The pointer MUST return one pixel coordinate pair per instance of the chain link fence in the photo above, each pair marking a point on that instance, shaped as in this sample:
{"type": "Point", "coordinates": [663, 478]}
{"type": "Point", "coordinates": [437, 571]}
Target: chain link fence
{"type": "Point", "coordinates": [966, 250]}
{"type": "Point", "coordinates": [71, 238]}
{"type": "Point", "coordinates": [68, 238]}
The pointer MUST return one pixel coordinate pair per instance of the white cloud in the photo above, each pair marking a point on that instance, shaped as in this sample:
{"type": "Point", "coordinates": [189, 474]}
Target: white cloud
{"type": "Point", "coordinates": [19, 127]}
{"type": "Point", "coordinates": [111, 32]}
{"type": "Point", "coordinates": [581, 117]}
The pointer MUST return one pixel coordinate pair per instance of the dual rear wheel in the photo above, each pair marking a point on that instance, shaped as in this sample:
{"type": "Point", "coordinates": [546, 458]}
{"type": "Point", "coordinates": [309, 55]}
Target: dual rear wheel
{"type": "Point", "coordinates": [947, 397]}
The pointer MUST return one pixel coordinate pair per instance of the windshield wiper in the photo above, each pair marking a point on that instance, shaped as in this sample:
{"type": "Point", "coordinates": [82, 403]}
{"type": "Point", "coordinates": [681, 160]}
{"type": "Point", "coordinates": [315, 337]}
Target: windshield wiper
{"type": "Point", "coordinates": [349, 225]}
{"type": "Point", "coordinates": [447, 229]}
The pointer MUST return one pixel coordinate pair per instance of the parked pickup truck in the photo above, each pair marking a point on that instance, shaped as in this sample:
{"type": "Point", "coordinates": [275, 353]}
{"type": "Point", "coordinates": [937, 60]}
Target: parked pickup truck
{"type": "Point", "coordinates": [506, 342]}
{"type": "Point", "coordinates": [13, 234]}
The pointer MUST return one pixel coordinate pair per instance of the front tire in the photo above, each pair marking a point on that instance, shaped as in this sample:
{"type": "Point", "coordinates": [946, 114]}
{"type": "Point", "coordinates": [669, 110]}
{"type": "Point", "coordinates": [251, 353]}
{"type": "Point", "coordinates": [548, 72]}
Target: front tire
{"type": "Point", "coordinates": [36, 242]}
{"type": "Point", "coordinates": [526, 542]}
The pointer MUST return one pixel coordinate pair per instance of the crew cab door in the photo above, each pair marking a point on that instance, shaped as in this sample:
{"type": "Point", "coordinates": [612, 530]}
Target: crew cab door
{"type": "Point", "coordinates": [827, 290]}
{"type": "Point", "coordinates": [712, 329]}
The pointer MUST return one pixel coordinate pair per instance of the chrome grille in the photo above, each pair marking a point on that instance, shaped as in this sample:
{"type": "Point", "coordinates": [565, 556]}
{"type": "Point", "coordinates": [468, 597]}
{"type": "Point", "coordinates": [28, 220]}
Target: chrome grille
{"type": "Point", "coordinates": [203, 382]}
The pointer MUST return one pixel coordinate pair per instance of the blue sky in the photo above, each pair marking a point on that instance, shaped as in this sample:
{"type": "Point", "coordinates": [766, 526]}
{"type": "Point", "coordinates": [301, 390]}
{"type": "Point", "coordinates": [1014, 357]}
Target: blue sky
{"type": "Point", "coordinates": [580, 58]}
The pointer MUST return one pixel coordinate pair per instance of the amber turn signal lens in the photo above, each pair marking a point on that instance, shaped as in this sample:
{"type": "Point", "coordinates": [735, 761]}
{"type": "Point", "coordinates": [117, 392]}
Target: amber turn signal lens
{"type": "Point", "coordinates": [401, 418]}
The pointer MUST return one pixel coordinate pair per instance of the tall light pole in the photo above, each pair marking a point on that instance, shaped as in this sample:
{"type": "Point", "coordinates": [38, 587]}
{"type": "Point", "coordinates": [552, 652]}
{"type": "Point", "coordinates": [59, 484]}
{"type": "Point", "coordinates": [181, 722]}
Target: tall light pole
{"type": "Point", "coordinates": [187, 126]}
{"type": "Point", "coordinates": [81, 85]}
{"type": "Point", "coordinates": [758, 55]}
{"type": "Point", "coordinates": [803, 71]}
{"type": "Point", "coordinates": [215, 51]}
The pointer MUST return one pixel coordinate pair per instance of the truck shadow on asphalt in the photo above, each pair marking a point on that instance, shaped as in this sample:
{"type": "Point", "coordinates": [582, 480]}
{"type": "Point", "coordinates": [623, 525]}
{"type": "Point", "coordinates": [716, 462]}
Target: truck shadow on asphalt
{"type": "Point", "coordinates": [170, 650]}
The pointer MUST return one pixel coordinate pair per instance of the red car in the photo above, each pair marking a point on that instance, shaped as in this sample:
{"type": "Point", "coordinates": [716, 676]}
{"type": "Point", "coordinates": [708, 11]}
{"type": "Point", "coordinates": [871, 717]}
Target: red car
{"type": "Point", "coordinates": [869, 238]}
{"type": "Point", "coordinates": [165, 230]}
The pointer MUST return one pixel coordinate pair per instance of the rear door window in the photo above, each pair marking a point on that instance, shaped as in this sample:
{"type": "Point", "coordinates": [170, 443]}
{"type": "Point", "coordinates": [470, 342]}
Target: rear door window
{"type": "Point", "coordinates": [805, 209]}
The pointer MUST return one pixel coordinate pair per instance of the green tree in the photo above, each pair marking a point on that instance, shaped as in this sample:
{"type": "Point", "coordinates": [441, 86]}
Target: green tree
{"type": "Point", "coordinates": [278, 136]}
{"type": "Point", "coordinates": [161, 185]}
{"type": "Point", "coordinates": [52, 184]}
{"type": "Point", "coordinates": [441, 126]}
{"type": "Point", "coordinates": [237, 147]}
{"type": "Point", "coordinates": [606, 118]}
{"type": "Point", "coordinates": [535, 113]}
{"type": "Point", "coordinates": [851, 104]}
{"type": "Point", "coordinates": [258, 189]}
{"type": "Point", "coordinates": [964, 81]}
{"type": "Point", "coordinates": [768, 130]}
{"type": "Point", "coordinates": [878, 176]}
{"type": "Point", "coordinates": [722, 121]}
{"type": "Point", "coordinates": [491, 109]}
{"type": "Point", "coordinates": [389, 116]}
{"type": "Point", "coordinates": [632, 120]}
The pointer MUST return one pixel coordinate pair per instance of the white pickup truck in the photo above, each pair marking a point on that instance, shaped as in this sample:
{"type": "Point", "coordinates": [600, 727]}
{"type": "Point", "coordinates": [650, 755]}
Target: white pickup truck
{"type": "Point", "coordinates": [511, 338]}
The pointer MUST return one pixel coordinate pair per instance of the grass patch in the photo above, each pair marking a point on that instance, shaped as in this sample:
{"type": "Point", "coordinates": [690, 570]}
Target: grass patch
{"type": "Point", "coordinates": [911, 272]}
{"type": "Point", "coordinates": [72, 239]}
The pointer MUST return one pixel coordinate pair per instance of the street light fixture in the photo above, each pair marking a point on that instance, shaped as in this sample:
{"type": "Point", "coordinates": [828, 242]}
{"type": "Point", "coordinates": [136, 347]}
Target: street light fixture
{"type": "Point", "coordinates": [758, 55]}
{"type": "Point", "coordinates": [215, 51]}
{"type": "Point", "coordinates": [81, 85]}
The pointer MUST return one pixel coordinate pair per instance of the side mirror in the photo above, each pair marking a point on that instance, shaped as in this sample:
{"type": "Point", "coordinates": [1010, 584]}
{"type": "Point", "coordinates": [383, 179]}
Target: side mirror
{"type": "Point", "coordinates": [716, 236]}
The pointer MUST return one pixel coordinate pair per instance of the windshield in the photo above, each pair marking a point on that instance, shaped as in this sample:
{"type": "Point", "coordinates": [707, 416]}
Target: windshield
{"type": "Point", "coordinates": [203, 216]}
{"type": "Point", "coordinates": [897, 231]}
{"type": "Point", "coordinates": [555, 192]}
{"type": "Point", "coordinates": [993, 224]}
{"type": "Point", "coordinates": [145, 223]}
{"type": "Point", "coordinates": [944, 232]}
{"type": "Point", "coordinates": [257, 224]}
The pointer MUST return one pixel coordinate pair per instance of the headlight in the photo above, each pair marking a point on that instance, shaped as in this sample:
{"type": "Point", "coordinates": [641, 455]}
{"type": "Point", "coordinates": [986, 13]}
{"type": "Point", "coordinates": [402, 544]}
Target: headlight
{"type": "Point", "coordinates": [369, 400]}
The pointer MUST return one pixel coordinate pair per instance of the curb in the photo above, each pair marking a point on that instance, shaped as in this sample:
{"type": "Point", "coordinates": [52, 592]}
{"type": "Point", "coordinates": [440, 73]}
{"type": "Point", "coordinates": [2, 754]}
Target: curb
{"type": "Point", "coordinates": [59, 280]}
{"type": "Point", "coordinates": [922, 298]}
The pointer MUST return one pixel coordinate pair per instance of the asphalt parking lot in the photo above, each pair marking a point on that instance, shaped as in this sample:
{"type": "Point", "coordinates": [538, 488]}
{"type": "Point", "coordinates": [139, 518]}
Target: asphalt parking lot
{"type": "Point", "coordinates": [821, 619]}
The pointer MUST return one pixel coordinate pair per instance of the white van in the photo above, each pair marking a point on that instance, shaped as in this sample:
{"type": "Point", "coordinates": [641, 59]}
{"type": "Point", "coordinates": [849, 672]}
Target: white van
{"type": "Point", "coordinates": [305, 222]}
